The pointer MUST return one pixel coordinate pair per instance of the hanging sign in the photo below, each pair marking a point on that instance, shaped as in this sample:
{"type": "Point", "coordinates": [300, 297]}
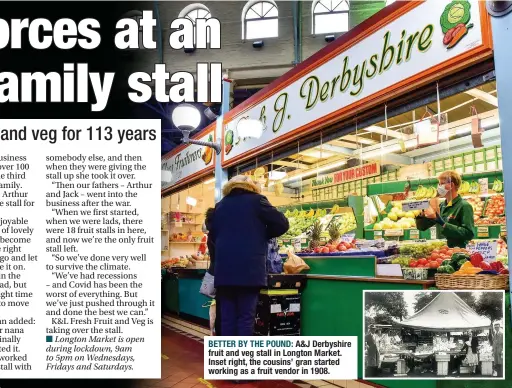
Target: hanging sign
{"type": "Point", "coordinates": [396, 53]}
{"type": "Point", "coordinates": [188, 162]}
{"type": "Point", "coordinates": [427, 131]}
{"type": "Point", "coordinates": [349, 175]}
{"type": "Point", "coordinates": [484, 185]}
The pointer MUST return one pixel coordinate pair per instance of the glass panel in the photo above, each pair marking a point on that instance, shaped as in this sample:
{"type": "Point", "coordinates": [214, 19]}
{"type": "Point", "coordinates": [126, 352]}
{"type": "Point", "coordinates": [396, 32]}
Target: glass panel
{"type": "Point", "coordinates": [334, 22]}
{"type": "Point", "coordinates": [323, 6]}
{"type": "Point", "coordinates": [341, 6]}
{"type": "Point", "coordinates": [251, 14]}
{"type": "Point", "coordinates": [272, 13]}
{"type": "Point", "coordinates": [266, 7]}
{"type": "Point", "coordinates": [259, 29]}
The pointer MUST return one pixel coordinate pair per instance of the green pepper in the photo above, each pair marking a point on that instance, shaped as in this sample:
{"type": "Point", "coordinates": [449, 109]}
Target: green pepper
{"type": "Point", "coordinates": [446, 262]}
{"type": "Point", "coordinates": [447, 269]}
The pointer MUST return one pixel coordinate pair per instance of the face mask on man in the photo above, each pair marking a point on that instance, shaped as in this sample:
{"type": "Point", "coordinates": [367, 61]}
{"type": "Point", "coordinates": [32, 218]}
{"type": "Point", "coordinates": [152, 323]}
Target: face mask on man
{"type": "Point", "coordinates": [442, 190]}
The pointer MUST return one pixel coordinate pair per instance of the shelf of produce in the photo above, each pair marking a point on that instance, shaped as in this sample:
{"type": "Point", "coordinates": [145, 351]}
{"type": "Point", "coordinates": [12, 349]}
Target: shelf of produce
{"type": "Point", "coordinates": [186, 223]}
{"type": "Point", "coordinates": [184, 242]}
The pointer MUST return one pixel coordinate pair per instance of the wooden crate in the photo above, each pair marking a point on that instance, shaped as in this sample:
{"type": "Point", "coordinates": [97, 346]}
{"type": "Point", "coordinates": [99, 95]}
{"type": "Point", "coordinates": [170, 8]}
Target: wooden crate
{"type": "Point", "coordinates": [487, 368]}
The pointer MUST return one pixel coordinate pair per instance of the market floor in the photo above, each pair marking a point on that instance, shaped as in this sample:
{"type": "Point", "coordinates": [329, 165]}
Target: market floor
{"type": "Point", "coordinates": [182, 367]}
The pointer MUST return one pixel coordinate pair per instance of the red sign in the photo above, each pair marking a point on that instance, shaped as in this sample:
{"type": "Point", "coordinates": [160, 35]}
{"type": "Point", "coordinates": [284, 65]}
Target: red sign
{"type": "Point", "coordinates": [355, 173]}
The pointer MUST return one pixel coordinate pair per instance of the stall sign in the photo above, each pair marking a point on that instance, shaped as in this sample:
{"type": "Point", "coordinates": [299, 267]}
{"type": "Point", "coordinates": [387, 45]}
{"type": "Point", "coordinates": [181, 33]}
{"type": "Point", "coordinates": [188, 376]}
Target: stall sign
{"type": "Point", "coordinates": [184, 163]}
{"type": "Point", "coordinates": [484, 185]}
{"type": "Point", "coordinates": [488, 249]}
{"type": "Point", "coordinates": [348, 237]}
{"type": "Point", "coordinates": [409, 47]}
{"type": "Point", "coordinates": [394, 232]}
{"type": "Point", "coordinates": [349, 175]}
{"type": "Point", "coordinates": [482, 232]}
{"type": "Point", "coordinates": [503, 230]}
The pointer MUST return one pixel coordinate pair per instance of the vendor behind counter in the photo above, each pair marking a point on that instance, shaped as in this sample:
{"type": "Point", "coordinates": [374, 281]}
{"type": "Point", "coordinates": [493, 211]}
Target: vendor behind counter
{"type": "Point", "coordinates": [452, 218]}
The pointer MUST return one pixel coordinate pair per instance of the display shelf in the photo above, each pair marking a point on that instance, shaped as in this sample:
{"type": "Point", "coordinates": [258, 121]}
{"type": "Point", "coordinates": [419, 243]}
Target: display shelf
{"type": "Point", "coordinates": [185, 223]}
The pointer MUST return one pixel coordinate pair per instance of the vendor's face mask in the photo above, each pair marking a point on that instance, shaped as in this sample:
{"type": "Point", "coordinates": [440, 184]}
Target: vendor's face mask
{"type": "Point", "coordinates": [442, 190]}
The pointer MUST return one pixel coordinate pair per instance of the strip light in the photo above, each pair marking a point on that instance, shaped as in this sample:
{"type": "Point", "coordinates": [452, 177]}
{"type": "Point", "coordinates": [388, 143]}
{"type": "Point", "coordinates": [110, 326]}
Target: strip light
{"type": "Point", "coordinates": [191, 201]}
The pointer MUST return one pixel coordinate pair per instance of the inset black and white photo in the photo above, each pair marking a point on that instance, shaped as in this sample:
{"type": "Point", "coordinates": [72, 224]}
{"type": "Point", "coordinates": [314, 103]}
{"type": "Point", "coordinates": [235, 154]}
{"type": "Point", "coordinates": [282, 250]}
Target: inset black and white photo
{"type": "Point", "coordinates": [434, 334]}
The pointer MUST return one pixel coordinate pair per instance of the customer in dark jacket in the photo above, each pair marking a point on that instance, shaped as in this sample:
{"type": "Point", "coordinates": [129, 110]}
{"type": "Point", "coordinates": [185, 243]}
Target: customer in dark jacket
{"type": "Point", "coordinates": [244, 222]}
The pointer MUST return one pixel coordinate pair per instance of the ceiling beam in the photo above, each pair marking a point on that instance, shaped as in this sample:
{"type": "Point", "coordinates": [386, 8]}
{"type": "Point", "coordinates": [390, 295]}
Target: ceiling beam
{"type": "Point", "coordinates": [299, 166]}
{"type": "Point", "coordinates": [384, 132]}
{"type": "Point", "coordinates": [484, 96]}
{"type": "Point", "coordinates": [346, 144]}
{"type": "Point", "coordinates": [359, 139]}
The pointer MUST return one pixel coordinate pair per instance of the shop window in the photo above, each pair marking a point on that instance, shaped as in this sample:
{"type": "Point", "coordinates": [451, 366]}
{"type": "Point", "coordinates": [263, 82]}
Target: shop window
{"type": "Point", "coordinates": [330, 16]}
{"type": "Point", "coordinates": [260, 20]}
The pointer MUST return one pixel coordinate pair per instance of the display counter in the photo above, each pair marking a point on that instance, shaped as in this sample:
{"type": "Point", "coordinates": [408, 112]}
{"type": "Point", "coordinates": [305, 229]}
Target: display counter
{"type": "Point", "coordinates": [181, 293]}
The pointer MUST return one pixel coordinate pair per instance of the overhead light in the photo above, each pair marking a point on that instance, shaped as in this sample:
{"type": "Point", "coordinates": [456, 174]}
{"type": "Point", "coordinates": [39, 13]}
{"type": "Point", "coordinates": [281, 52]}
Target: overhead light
{"type": "Point", "coordinates": [186, 117]}
{"type": "Point", "coordinates": [276, 175]}
{"type": "Point", "coordinates": [384, 132]}
{"type": "Point", "coordinates": [209, 181]}
{"type": "Point", "coordinates": [191, 201]}
{"type": "Point", "coordinates": [329, 38]}
{"type": "Point", "coordinates": [250, 128]}
{"type": "Point", "coordinates": [258, 44]}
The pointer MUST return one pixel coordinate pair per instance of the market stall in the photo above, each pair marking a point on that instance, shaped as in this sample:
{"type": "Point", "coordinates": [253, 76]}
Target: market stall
{"type": "Point", "coordinates": [352, 158]}
{"type": "Point", "coordinates": [187, 192]}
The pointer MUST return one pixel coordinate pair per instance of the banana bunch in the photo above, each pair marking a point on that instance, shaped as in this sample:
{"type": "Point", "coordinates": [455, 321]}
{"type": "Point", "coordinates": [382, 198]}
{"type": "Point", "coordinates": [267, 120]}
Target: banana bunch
{"type": "Point", "coordinates": [497, 186]}
{"type": "Point", "coordinates": [474, 188]}
{"type": "Point", "coordinates": [425, 192]}
{"type": "Point", "coordinates": [464, 188]}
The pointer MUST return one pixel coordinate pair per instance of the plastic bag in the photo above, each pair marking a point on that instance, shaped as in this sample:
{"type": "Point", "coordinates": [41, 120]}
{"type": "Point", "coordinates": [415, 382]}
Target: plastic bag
{"type": "Point", "coordinates": [294, 264]}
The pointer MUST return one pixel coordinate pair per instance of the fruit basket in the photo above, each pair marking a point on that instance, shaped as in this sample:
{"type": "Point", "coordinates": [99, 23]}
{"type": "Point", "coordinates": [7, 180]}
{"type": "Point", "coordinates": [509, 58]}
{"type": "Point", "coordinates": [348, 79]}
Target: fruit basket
{"type": "Point", "coordinates": [472, 282]}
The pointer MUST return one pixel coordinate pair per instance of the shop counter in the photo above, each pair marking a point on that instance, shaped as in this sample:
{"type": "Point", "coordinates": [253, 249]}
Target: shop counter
{"type": "Point", "coordinates": [332, 302]}
{"type": "Point", "coordinates": [181, 293]}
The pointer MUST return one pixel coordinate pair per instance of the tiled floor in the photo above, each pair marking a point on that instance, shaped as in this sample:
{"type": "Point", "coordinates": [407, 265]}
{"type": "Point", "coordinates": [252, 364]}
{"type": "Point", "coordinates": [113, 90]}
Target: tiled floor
{"type": "Point", "coordinates": [182, 367]}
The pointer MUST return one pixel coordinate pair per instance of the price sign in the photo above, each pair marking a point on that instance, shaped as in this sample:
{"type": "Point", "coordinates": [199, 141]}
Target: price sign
{"type": "Point", "coordinates": [296, 245]}
{"type": "Point", "coordinates": [415, 205]}
{"type": "Point", "coordinates": [414, 234]}
{"type": "Point", "coordinates": [482, 232]}
{"type": "Point", "coordinates": [433, 233]}
{"type": "Point", "coordinates": [377, 234]}
{"type": "Point", "coordinates": [503, 230]}
{"type": "Point", "coordinates": [488, 249]}
{"type": "Point", "coordinates": [484, 185]}
{"type": "Point", "coordinates": [394, 232]}
{"type": "Point", "coordinates": [349, 237]}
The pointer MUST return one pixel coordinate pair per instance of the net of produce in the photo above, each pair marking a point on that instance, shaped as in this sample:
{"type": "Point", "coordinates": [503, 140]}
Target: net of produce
{"type": "Point", "coordinates": [495, 206]}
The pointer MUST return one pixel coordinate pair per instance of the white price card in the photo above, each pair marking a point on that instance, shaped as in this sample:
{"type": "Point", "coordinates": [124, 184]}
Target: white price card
{"type": "Point", "coordinates": [394, 232]}
{"type": "Point", "coordinates": [415, 205]}
{"type": "Point", "coordinates": [433, 233]}
{"type": "Point", "coordinates": [484, 185]}
{"type": "Point", "coordinates": [488, 249]}
{"type": "Point", "coordinates": [280, 358]}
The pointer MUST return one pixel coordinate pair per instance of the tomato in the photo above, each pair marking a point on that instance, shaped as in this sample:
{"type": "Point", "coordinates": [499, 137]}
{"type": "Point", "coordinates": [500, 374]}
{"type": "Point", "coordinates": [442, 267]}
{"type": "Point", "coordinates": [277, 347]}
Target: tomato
{"type": "Point", "coordinates": [436, 251]}
{"type": "Point", "coordinates": [422, 261]}
{"type": "Point", "coordinates": [325, 250]}
{"type": "Point", "coordinates": [347, 245]}
{"type": "Point", "coordinates": [413, 264]}
{"type": "Point", "coordinates": [340, 246]}
{"type": "Point", "coordinates": [434, 264]}
{"type": "Point", "coordinates": [343, 249]}
{"type": "Point", "coordinates": [450, 252]}
{"type": "Point", "coordinates": [318, 250]}
{"type": "Point", "coordinates": [440, 261]}
{"type": "Point", "coordinates": [435, 255]}
{"type": "Point", "coordinates": [332, 249]}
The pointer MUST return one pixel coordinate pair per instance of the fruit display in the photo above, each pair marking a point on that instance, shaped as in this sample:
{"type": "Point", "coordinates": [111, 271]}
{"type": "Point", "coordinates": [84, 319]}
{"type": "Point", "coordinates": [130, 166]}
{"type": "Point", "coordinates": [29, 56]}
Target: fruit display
{"type": "Point", "coordinates": [346, 222]}
{"type": "Point", "coordinates": [419, 250]}
{"type": "Point", "coordinates": [402, 260]}
{"type": "Point", "coordinates": [398, 219]}
{"type": "Point", "coordinates": [316, 232]}
{"type": "Point", "coordinates": [180, 237]}
{"type": "Point", "coordinates": [334, 232]}
{"type": "Point", "coordinates": [495, 206]}
{"type": "Point", "coordinates": [497, 186]}
{"type": "Point", "coordinates": [441, 343]}
{"type": "Point", "coordinates": [332, 248]}
{"type": "Point", "coordinates": [298, 226]}
{"type": "Point", "coordinates": [498, 220]}
{"type": "Point", "coordinates": [502, 248]}
{"type": "Point", "coordinates": [180, 262]}
{"type": "Point", "coordinates": [478, 207]}
{"type": "Point", "coordinates": [425, 192]}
